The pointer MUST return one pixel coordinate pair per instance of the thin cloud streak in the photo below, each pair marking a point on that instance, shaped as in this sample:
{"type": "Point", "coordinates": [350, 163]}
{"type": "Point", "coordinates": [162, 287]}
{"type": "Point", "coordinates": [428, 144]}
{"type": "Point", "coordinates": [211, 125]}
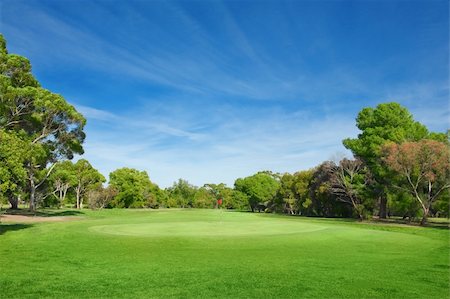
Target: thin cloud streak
{"type": "Point", "coordinates": [226, 153]}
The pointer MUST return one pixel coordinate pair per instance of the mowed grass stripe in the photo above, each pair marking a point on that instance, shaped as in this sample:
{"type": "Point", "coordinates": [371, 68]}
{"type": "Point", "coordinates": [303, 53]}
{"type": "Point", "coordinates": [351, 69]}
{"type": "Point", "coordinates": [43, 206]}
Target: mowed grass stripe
{"type": "Point", "coordinates": [194, 254]}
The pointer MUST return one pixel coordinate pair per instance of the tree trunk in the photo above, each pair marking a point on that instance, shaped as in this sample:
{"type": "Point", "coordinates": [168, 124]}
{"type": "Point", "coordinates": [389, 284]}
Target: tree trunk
{"type": "Point", "coordinates": [78, 200]}
{"type": "Point", "coordinates": [32, 195]}
{"type": "Point", "coordinates": [424, 220]}
{"type": "Point", "coordinates": [14, 201]}
{"type": "Point", "coordinates": [383, 207]}
{"type": "Point", "coordinates": [79, 191]}
{"type": "Point", "coordinates": [61, 194]}
{"type": "Point", "coordinates": [425, 216]}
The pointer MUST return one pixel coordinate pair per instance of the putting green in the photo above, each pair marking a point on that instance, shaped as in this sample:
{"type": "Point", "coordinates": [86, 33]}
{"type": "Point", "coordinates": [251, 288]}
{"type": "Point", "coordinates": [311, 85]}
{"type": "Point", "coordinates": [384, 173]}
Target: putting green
{"type": "Point", "coordinates": [207, 228]}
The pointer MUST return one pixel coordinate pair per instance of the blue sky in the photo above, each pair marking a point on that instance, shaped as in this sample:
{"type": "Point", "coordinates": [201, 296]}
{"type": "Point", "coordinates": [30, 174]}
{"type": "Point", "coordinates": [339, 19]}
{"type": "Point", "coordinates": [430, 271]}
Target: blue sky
{"type": "Point", "coordinates": [211, 91]}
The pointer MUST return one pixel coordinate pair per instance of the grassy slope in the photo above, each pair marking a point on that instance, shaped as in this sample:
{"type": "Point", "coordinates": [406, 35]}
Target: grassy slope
{"type": "Point", "coordinates": [287, 257]}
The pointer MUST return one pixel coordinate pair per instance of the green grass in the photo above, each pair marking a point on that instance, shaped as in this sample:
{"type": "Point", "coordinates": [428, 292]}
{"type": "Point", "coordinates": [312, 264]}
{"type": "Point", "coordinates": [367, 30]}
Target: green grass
{"type": "Point", "coordinates": [218, 254]}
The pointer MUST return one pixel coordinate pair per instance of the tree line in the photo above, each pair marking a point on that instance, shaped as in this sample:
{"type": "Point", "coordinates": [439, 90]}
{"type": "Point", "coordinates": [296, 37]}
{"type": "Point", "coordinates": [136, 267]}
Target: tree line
{"type": "Point", "coordinates": [399, 167]}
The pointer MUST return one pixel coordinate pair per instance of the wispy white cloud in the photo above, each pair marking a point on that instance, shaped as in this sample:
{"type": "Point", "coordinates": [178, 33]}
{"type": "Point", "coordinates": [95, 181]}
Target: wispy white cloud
{"type": "Point", "coordinates": [96, 114]}
{"type": "Point", "coordinates": [132, 124]}
{"type": "Point", "coordinates": [277, 141]}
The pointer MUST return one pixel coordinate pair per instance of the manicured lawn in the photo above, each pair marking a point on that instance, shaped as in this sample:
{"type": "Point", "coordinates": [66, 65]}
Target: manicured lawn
{"type": "Point", "coordinates": [217, 254]}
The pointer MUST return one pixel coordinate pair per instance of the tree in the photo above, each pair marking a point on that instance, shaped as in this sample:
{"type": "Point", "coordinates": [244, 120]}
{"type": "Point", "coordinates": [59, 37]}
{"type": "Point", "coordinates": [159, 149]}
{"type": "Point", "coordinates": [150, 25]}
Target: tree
{"type": "Point", "coordinates": [239, 200]}
{"type": "Point", "coordinates": [386, 122]}
{"type": "Point", "coordinates": [293, 194]}
{"type": "Point", "coordinates": [285, 199]}
{"type": "Point", "coordinates": [348, 182]}
{"type": "Point", "coordinates": [62, 179]}
{"type": "Point", "coordinates": [424, 167]}
{"type": "Point", "coordinates": [52, 128]}
{"type": "Point", "coordinates": [221, 191]}
{"type": "Point", "coordinates": [260, 188]}
{"type": "Point", "coordinates": [321, 201]}
{"type": "Point", "coordinates": [86, 178]}
{"type": "Point", "coordinates": [203, 198]}
{"type": "Point", "coordinates": [100, 197]}
{"type": "Point", "coordinates": [183, 193]}
{"type": "Point", "coordinates": [134, 188]}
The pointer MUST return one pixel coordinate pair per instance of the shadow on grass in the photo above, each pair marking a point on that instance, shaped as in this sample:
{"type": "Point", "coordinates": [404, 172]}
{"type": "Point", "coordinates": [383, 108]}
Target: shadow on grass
{"type": "Point", "coordinates": [45, 213]}
{"type": "Point", "coordinates": [4, 227]}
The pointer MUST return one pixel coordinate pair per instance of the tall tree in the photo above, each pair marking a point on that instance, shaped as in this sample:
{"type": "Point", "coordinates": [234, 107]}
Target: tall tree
{"type": "Point", "coordinates": [386, 122]}
{"type": "Point", "coordinates": [424, 167]}
{"type": "Point", "coordinates": [51, 126]}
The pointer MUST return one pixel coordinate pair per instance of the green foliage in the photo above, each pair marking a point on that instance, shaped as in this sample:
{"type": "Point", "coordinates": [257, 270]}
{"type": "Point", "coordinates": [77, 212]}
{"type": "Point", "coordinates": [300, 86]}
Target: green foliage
{"type": "Point", "coordinates": [86, 178]}
{"type": "Point", "coordinates": [386, 122]}
{"type": "Point", "coordinates": [401, 203]}
{"type": "Point", "coordinates": [204, 199]}
{"type": "Point", "coordinates": [260, 188]}
{"type": "Point", "coordinates": [441, 207]}
{"type": "Point", "coordinates": [182, 193]}
{"type": "Point", "coordinates": [134, 189]}
{"type": "Point", "coordinates": [239, 200]}
{"type": "Point", "coordinates": [13, 154]}
{"type": "Point", "coordinates": [293, 195]}
{"type": "Point", "coordinates": [232, 199]}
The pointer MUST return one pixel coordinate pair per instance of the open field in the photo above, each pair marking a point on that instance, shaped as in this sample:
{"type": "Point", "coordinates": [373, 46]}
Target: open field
{"type": "Point", "coordinates": [218, 254]}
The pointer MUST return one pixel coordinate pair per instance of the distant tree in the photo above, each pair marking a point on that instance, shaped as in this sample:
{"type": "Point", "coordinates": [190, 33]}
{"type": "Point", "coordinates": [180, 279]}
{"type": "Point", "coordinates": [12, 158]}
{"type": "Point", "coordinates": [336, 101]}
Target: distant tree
{"type": "Point", "coordinates": [348, 182]}
{"type": "Point", "coordinates": [204, 199]}
{"type": "Point", "coordinates": [293, 194]}
{"type": "Point", "coordinates": [86, 178]}
{"type": "Point", "coordinates": [183, 193]}
{"type": "Point", "coordinates": [387, 122]}
{"type": "Point", "coordinates": [100, 197]}
{"type": "Point", "coordinates": [260, 188]}
{"type": "Point", "coordinates": [424, 169]}
{"type": "Point", "coordinates": [133, 186]}
{"type": "Point", "coordinates": [61, 180]}
{"type": "Point", "coordinates": [221, 191]}
{"type": "Point", "coordinates": [302, 181]}
{"type": "Point", "coordinates": [285, 199]}
{"type": "Point", "coordinates": [155, 197]}
{"type": "Point", "coordinates": [239, 200]}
